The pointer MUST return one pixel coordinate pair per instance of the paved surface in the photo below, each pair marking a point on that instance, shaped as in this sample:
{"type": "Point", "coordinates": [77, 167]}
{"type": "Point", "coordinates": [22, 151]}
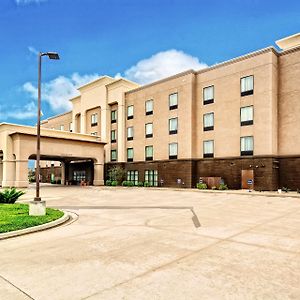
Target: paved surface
{"type": "Point", "coordinates": [248, 247]}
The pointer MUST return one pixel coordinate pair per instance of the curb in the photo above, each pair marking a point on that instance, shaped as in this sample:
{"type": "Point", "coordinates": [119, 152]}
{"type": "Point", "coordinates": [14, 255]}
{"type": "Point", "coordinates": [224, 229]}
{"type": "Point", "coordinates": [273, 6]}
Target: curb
{"type": "Point", "coordinates": [37, 228]}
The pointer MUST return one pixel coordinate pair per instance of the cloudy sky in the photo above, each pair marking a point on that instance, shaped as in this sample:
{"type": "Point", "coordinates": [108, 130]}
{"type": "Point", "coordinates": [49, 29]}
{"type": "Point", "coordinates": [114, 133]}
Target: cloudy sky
{"type": "Point", "coordinates": [142, 40]}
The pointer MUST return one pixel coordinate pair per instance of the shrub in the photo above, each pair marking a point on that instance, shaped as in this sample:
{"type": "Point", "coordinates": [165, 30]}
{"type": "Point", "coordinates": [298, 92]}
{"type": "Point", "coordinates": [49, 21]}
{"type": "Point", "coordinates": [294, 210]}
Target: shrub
{"type": "Point", "coordinates": [223, 186]}
{"type": "Point", "coordinates": [114, 183]}
{"type": "Point", "coordinates": [116, 174]}
{"type": "Point", "coordinates": [201, 186]}
{"type": "Point", "coordinates": [125, 183]}
{"type": "Point", "coordinates": [140, 183]}
{"type": "Point", "coordinates": [108, 182]}
{"type": "Point", "coordinates": [285, 189]}
{"type": "Point", "coordinates": [58, 181]}
{"type": "Point", "coordinates": [10, 196]}
{"type": "Point", "coordinates": [146, 184]}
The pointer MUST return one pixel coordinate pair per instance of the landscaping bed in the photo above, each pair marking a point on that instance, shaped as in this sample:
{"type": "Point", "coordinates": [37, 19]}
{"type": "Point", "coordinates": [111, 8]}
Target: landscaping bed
{"type": "Point", "coordinates": [15, 217]}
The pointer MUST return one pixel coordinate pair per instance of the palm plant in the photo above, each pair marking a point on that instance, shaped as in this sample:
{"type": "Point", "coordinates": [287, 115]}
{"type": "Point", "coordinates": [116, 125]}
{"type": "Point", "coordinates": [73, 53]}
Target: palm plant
{"type": "Point", "coordinates": [10, 196]}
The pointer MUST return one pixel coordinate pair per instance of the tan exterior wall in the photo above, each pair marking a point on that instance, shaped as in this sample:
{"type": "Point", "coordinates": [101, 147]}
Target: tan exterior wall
{"type": "Point", "coordinates": [289, 103]}
{"type": "Point", "coordinates": [56, 122]}
{"type": "Point", "coordinates": [90, 128]}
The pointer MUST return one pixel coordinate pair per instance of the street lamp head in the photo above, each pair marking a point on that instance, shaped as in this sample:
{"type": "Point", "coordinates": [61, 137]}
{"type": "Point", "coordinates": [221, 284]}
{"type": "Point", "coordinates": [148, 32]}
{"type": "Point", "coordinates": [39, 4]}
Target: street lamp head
{"type": "Point", "coordinates": [52, 55]}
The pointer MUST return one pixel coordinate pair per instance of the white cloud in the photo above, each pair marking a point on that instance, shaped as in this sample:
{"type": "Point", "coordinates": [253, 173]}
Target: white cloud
{"type": "Point", "coordinates": [58, 91]}
{"type": "Point", "coordinates": [33, 50]}
{"type": "Point", "coordinates": [26, 2]}
{"type": "Point", "coordinates": [161, 65]}
{"type": "Point", "coordinates": [20, 113]}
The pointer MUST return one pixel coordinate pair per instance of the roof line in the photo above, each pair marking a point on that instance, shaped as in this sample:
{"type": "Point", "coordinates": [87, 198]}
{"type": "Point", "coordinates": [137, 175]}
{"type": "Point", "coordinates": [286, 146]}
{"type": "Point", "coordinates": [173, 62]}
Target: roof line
{"type": "Point", "coordinates": [59, 115]}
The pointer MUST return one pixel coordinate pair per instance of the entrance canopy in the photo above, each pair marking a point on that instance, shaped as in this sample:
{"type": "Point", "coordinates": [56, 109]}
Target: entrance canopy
{"type": "Point", "coordinates": [18, 144]}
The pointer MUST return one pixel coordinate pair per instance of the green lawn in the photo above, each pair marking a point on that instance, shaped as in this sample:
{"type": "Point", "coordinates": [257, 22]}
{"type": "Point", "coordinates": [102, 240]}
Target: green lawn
{"type": "Point", "coordinates": [15, 217]}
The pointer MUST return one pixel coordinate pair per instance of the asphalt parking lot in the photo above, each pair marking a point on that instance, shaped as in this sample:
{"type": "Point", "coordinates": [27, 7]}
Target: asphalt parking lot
{"type": "Point", "coordinates": [139, 243]}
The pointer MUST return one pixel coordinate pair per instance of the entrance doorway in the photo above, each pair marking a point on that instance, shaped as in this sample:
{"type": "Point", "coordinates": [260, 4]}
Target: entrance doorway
{"type": "Point", "coordinates": [247, 179]}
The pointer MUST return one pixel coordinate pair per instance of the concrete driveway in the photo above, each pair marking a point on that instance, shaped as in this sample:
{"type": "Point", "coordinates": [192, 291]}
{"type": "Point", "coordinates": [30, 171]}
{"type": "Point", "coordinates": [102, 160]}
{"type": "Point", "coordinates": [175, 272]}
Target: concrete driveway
{"type": "Point", "coordinates": [248, 247]}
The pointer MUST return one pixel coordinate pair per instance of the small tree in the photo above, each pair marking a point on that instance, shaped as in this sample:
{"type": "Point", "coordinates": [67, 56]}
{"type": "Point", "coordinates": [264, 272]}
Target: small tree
{"type": "Point", "coordinates": [116, 174]}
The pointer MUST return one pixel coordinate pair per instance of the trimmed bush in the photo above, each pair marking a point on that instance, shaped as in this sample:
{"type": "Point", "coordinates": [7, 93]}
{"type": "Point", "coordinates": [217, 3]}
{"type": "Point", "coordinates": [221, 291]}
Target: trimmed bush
{"type": "Point", "coordinates": [140, 183]}
{"type": "Point", "coordinates": [108, 182]}
{"type": "Point", "coordinates": [146, 184]}
{"type": "Point", "coordinates": [10, 196]}
{"type": "Point", "coordinates": [223, 187]}
{"type": "Point", "coordinates": [201, 186]}
{"type": "Point", "coordinates": [114, 183]}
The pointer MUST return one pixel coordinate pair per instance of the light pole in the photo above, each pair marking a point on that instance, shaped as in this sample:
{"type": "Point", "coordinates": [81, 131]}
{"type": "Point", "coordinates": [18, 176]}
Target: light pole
{"type": "Point", "coordinates": [38, 207]}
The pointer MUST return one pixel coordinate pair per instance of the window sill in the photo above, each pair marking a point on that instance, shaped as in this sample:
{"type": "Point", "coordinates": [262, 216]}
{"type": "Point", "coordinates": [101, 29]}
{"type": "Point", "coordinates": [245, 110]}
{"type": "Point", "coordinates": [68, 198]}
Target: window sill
{"type": "Point", "coordinates": [173, 107]}
{"type": "Point", "coordinates": [150, 135]}
{"type": "Point", "coordinates": [94, 124]}
{"type": "Point", "coordinates": [129, 159]}
{"type": "Point", "coordinates": [148, 113]}
{"type": "Point", "coordinates": [246, 123]}
{"type": "Point", "coordinates": [172, 156]}
{"type": "Point", "coordinates": [173, 132]}
{"type": "Point", "coordinates": [149, 158]}
{"type": "Point", "coordinates": [113, 141]}
{"type": "Point", "coordinates": [209, 128]}
{"type": "Point", "coordinates": [208, 155]}
{"type": "Point", "coordinates": [113, 121]}
{"type": "Point", "coordinates": [129, 117]}
{"type": "Point", "coordinates": [130, 138]}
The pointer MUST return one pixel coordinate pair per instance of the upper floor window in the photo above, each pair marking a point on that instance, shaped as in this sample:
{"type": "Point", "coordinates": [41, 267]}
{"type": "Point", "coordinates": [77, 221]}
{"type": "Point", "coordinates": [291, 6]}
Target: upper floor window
{"type": "Point", "coordinates": [149, 130]}
{"type": "Point", "coordinates": [113, 116]}
{"type": "Point", "coordinates": [208, 121]}
{"type": "Point", "coordinates": [94, 119]}
{"type": "Point", "coordinates": [129, 154]}
{"type": "Point", "coordinates": [173, 101]}
{"type": "Point", "coordinates": [246, 115]}
{"type": "Point", "coordinates": [208, 148]}
{"type": "Point", "coordinates": [247, 84]}
{"type": "Point", "coordinates": [173, 126]}
{"type": "Point", "coordinates": [70, 126]}
{"type": "Point", "coordinates": [61, 127]}
{"type": "Point", "coordinates": [113, 155]}
{"type": "Point", "coordinates": [173, 149]}
{"type": "Point", "coordinates": [208, 95]}
{"type": "Point", "coordinates": [247, 145]}
{"type": "Point", "coordinates": [149, 107]}
{"type": "Point", "coordinates": [130, 112]}
{"type": "Point", "coordinates": [149, 152]}
{"type": "Point", "coordinates": [113, 136]}
{"type": "Point", "coordinates": [130, 133]}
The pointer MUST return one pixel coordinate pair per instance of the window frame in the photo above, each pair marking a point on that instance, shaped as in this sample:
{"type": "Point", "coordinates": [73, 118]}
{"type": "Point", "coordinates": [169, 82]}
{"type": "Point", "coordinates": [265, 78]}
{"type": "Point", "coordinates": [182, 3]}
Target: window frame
{"type": "Point", "coordinates": [130, 117]}
{"type": "Point", "coordinates": [113, 151]}
{"type": "Point", "coordinates": [149, 157]}
{"type": "Point", "coordinates": [247, 152]}
{"type": "Point", "coordinates": [130, 159]}
{"type": "Point", "coordinates": [130, 138]}
{"type": "Point", "coordinates": [149, 135]}
{"type": "Point", "coordinates": [115, 116]}
{"type": "Point", "coordinates": [247, 122]}
{"type": "Point", "coordinates": [173, 131]}
{"type": "Point", "coordinates": [248, 92]}
{"type": "Point", "coordinates": [151, 177]}
{"type": "Point", "coordinates": [175, 106]}
{"type": "Point", "coordinates": [208, 101]}
{"type": "Point", "coordinates": [115, 139]}
{"type": "Point", "coordinates": [95, 121]}
{"type": "Point", "coordinates": [173, 156]}
{"type": "Point", "coordinates": [208, 155]}
{"type": "Point", "coordinates": [133, 176]}
{"type": "Point", "coordinates": [208, 128]}
{"type": "Point", "coordinates": [148, 113]}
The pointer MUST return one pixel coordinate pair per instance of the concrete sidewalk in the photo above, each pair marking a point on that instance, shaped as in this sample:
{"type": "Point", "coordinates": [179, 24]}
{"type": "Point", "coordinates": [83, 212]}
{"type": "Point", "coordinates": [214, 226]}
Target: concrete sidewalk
{"type": "Point", "coordinates": [248, 247]}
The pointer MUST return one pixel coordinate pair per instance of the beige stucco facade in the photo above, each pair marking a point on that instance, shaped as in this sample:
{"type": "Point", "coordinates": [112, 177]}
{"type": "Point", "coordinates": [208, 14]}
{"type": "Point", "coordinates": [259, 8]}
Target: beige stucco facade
{"type": "Point", "coordinates": [18, 145]}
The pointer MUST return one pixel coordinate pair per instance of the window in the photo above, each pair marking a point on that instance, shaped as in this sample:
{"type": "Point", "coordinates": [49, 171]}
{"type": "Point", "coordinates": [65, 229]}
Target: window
{"type": "Point", "coordinates": [133, 176]}
{"type": "Point", "coordinates": [113, 116]}
{"type": "Point", "coordinates": [130, 112]}
{"type": "Point", "coordinates": [173, 101]}
{"type": "Point", "coordinates": [246, 115]}
{"type": "Point", "coordinates": [113, 136]}
{"type": "Point", "coordinates": [94, 133]}
{"type": "Point", "coordinates": [62, 127]}
{"type": "Point", "coordinates": [173, 149]}
{"type": "Point", "coordinates": [149, 152]}
{"type": "Point", "coordinates": [208, 148]}
{"type": "Point", "coordinates": [149, 130]}
{"type": "Point", "coordinates": [208, 121]}
{"type": "Point", "coordinates": [113, 155]}
{"type": "Point", "coordinates": [129, 154]}
{"type": "Point", "coordinates": [247, 85]}
{"type": "Point", "coordinates": [246, 145]}
{"type": "Point", "coordinates": [71, 127]}
{"type": "Point", "coordinates": [208, 95]}
{"type": "Point", "coordinates": [149, 107]}
{"type": "Point", "coordinates": [151, 177]}
{"type": "Point", "coordinates": [173, 125]}
{"type": "Point", "coordinates": [130, 133]}
{"type": "Point", "coordinates": [94, 119]}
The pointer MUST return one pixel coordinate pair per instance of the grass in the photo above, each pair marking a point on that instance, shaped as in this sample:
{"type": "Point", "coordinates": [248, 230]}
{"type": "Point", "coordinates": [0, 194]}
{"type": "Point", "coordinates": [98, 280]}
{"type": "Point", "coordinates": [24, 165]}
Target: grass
{"type": "Point", "coordinates": [15, 217]}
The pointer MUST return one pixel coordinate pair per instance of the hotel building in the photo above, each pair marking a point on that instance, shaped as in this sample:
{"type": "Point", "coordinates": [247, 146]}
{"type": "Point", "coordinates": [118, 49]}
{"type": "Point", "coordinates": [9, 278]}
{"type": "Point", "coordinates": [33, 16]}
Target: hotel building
{"type": "Point", "coordinates": [238, 120]}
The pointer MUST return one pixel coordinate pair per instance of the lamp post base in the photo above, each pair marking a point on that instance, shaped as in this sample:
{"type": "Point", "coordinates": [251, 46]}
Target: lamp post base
{"type": "Point", "coordinates": [37, 208]}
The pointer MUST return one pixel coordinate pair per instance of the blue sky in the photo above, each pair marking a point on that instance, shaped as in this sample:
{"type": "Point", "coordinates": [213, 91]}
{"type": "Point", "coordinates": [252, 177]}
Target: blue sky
{"type": "Point", "coordinates": [142, 40]}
